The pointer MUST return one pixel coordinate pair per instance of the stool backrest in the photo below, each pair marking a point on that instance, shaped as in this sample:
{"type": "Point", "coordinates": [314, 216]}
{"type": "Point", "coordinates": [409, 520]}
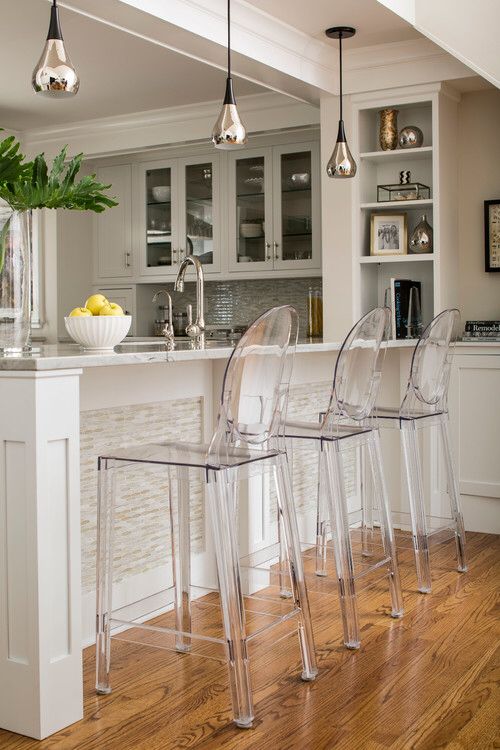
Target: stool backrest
{"type": "Point", "coordinates": [256, 381]}
{"type": "Point", "coordinates": [358, 370]}
{"type": "Point", "coordinates": [430, 365]}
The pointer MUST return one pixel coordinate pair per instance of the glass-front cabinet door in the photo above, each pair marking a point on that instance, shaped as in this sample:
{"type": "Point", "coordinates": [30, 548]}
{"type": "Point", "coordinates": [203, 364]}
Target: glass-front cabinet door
{"type": "Point", "coordinates": [158, 226]}
{"type": "Point", "coordinates": [296, 206]}
{"type": "Point", "coordinates": [250, 210]}
{"type": "Point", "coordinates": [199, 224]}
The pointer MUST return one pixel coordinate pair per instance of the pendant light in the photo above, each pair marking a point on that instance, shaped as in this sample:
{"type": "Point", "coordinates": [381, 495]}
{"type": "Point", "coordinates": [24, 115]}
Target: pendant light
{"type": "Point", "coordinates": [54, 74]}
{"type": "Point", "coordinates": [229, 132]}
{"type": "Point", "coordinates": [341, 163]}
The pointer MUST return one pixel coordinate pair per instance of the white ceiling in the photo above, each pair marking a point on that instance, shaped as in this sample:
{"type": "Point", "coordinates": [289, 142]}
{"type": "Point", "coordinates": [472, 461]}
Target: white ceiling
{"type": "Point", "coordinates": [374, 24]}
{"type": "Point", "coordinates": [119, 73]}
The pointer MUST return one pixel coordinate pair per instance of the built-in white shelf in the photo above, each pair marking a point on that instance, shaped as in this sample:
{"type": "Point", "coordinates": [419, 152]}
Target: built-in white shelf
{"type": "Point", "coordinates": [397, 258]}
{"type": "Point", "coordinates": [397, 204]}
{"type": "Point", "coordinates": [424, 152]}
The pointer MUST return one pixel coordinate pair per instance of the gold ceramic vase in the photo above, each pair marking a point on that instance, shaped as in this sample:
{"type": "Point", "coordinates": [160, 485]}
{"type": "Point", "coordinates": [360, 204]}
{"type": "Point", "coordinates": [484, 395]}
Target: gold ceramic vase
{"type": "Point", "coordinates": [388, 133]}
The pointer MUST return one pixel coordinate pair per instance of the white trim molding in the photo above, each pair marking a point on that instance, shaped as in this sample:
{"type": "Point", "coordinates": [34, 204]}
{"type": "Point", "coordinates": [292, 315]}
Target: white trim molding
{"type": "Point", "coordinates": [163, 127]}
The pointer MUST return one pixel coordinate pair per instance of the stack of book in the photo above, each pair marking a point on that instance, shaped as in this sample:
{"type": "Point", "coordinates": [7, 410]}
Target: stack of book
{"type": "Point", "coordinates": [482, 330]}
{"type": "Point", "coordinates": [399, 304]}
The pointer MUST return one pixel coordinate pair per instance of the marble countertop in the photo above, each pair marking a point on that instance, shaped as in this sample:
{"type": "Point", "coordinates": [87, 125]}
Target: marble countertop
{"type": "Point", "coordinates": [72, 356]}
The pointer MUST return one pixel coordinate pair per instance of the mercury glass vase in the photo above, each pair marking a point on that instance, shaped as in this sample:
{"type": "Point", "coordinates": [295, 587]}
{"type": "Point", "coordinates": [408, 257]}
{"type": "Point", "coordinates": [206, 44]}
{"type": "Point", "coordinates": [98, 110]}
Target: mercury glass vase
{"type": "Point", "coordinates": [388, 131]}
{"type": "Point", "coordinates": [15, 280]}
{"type": "Point", "coordinates": [422, 239]}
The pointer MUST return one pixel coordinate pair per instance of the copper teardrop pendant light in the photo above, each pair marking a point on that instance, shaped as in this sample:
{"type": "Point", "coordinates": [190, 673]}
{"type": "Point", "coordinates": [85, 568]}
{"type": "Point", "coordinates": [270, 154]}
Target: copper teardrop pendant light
{"type": "Point", "coordinates": [54, 74]}
{"type": "Point", "coordinates": [341, 163]}
{"type": "Point", "coordinates": [229, 131]}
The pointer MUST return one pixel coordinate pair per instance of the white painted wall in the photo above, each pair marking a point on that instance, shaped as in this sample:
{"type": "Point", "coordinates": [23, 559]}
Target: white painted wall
{"type": "Point", "coordinates": [336, 207]}
{"type": "Point", "coordinates": [479, 180]}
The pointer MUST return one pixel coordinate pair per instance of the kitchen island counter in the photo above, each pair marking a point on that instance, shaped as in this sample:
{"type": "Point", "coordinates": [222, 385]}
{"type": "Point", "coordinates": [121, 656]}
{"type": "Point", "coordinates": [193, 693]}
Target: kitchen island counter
{"type": "Point", "coordinates": [71, 356]}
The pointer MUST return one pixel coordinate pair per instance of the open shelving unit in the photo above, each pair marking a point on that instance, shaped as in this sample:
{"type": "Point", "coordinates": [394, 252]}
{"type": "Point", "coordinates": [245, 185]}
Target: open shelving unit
{"type": "Point", "coordinates": [434, 110]}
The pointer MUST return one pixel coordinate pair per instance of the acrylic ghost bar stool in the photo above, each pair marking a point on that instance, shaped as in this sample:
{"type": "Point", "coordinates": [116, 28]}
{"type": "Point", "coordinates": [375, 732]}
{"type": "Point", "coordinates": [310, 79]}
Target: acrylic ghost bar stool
{"type": "Point", "coordinates": [425, 404]}
{"type": "Point", "coordinates": [348, 425]}
{"type": "Point", "coordinates": [249, 434]}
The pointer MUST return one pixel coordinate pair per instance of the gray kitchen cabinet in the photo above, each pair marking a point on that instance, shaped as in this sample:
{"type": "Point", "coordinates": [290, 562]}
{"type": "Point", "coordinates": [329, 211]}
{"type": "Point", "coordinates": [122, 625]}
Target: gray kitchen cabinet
{"type": "Point", "coordinates": [274, 209]}
{"type": "Point", "coordinates": [178, 204]}
{"type": "Point", "coordinates": [113, 228]}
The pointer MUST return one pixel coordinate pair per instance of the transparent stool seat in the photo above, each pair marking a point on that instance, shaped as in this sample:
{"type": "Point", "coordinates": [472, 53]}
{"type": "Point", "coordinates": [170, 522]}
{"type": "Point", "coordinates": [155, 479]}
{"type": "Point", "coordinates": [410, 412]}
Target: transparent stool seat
{"type": "Point", "coordinates": [303, 430]}
{"type": "Point", "coordinates": [195, 455]}
{"type": "Point", "coordinates": [248, 434]}
{"type": "Point", "coordinates": [425, 404]}
{"type": "Point", "coordinates": [347, 425]}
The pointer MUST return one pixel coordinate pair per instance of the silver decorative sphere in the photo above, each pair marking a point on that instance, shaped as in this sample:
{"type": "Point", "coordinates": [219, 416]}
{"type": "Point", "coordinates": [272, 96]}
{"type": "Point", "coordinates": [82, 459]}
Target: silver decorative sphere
{"type": "Point", "coordinates": [411, 137]}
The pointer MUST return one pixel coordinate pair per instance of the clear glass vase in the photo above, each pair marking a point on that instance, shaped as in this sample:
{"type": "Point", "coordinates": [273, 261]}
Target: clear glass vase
{"type": "Point", "coordinates": [15, 280]}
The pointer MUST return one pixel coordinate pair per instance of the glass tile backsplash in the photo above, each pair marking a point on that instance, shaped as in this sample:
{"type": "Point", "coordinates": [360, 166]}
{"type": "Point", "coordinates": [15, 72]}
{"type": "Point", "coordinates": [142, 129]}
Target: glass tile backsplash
{"type": "Point", "coordinates": [234, 303]}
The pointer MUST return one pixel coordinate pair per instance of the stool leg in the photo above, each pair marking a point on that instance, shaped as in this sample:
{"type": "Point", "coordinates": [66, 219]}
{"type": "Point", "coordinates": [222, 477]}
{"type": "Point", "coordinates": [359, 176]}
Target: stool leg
{"type": "Point", "coordinates": [342, 543]}
{"type": "Point", "coordinates": [221, 505]}
{"type": "Point", "coordinates": [104, 567]}
{"type": "Point", "coordinates": [417, 504]}
{"type": "Point", "coordinates": [181, 559]}
{"type": "Point", "coordinates": [285, 592]}
{"type": "Point", "coordinates": [454, 494]}
{"type": "Point", "coordinates": [321, 519]}
{"type": "Point", "coordinates": [366, 508]}
{"type": "Point", "coordinates": [295, 567]}
{"type": "Point", "coordinates": [380, 491]}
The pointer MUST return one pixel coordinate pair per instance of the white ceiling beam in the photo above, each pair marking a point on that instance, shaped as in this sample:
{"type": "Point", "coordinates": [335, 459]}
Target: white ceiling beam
{"type": "Point", "coordinates": [268, 51]}
{"type": "Point", "coordinates": [265, 50]}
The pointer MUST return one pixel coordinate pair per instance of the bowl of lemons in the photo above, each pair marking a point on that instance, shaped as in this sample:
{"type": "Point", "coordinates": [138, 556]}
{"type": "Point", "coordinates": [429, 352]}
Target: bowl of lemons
{"type": "Point", "coordinates": [99, 325]}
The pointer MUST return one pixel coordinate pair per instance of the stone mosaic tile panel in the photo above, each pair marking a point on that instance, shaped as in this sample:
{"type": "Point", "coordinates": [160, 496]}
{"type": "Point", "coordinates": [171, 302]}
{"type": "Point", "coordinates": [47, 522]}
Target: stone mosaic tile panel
{"type": "Point", "coordinates": [229, 303]}
{"type": "Point", "coordinates": [142, 526]}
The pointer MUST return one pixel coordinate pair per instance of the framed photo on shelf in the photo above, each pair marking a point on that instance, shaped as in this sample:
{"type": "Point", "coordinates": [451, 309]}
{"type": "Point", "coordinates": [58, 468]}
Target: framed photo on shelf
{"type": "Point", "coordinates": [388, 235]}
{"type": "Point", "coordinates": [492, 235]}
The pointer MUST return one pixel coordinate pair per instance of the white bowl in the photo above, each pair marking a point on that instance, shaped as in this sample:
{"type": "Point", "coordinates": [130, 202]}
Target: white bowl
{"type": "Point", "coordinates": [99, 332]}
{"type": "Point", "coordinates": [251, 230]}
{"type": "Point", "coordinates": [161, 193]}
{"type": "Point", "coordinates": [301, 179]}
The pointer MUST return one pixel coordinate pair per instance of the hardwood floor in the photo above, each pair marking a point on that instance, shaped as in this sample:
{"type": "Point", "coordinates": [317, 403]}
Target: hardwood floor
{"type": "Point", "coordinates": [428, 681]}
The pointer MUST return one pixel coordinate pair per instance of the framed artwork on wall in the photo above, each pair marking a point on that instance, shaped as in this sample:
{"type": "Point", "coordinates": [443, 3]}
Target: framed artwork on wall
{"type": "Point", "coordinates": [388, 234]}
{"type": "Point", "coordinates": [492, 235]}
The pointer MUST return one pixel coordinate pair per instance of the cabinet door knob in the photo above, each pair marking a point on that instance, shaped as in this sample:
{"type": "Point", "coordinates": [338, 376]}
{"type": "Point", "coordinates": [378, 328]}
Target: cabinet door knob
{"type": "Point", "coordinates": [268, 254]}
{"type": "Point", "coordinates": [276, 254]}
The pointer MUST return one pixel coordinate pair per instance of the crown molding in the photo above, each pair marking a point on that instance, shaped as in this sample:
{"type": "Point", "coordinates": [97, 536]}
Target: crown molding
{"type": "Point", "coordinates": [162, 127]}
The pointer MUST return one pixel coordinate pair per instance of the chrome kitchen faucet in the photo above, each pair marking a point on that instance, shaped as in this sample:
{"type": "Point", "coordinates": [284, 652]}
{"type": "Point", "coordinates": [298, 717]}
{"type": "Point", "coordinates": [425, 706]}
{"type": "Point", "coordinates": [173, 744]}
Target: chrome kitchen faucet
{"type": "Point", "coordinates": [194, 330]}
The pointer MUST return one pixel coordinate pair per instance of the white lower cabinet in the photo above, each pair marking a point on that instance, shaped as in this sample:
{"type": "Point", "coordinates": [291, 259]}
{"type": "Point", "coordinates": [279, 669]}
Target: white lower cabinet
{"type": "Point", "coordinates": [475, 420]}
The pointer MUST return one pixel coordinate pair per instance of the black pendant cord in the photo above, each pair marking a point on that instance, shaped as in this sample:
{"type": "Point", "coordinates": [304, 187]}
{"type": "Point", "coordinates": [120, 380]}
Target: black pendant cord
{"type": "Point", "coordinates": [228, 38]}
{"type": "Point", "coordinates": [54, 26]}
{"type": "Point", "coordinates": [340, 71]}
{"type": "Point", "coordinates": [229, 95]}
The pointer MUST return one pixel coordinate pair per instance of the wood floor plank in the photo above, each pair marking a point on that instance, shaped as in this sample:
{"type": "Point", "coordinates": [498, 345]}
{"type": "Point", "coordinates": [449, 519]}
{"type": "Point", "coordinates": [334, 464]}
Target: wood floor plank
{"type": "Point", "coordinates": [425, 682]}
